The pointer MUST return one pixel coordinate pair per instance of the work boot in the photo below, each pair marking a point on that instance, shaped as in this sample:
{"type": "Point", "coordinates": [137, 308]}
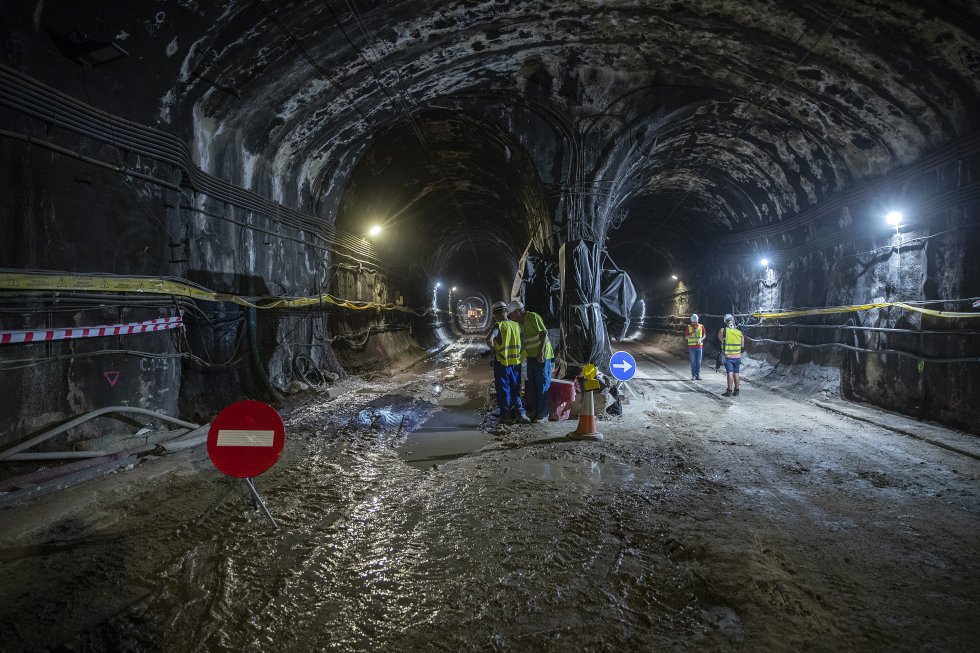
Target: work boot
{"type": "Point", "coordinates": [735, 393]}
{"type": "Point", "coordinates": [697, 378]}
{"type": "Point", "coordinates": [728, 393]}
{"type": "Point", "coordinates": [524, 419]}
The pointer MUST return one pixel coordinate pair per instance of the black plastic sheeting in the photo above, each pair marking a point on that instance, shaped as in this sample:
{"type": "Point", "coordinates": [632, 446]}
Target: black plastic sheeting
{"type": "Point", "coordinates": [583, 330]}
{"type": "Point", "coordinates": [538, 286]}
{"type": "Point", "coordinates": [598, 306]}
{"type": "Point", "coordinates": [617, 298]}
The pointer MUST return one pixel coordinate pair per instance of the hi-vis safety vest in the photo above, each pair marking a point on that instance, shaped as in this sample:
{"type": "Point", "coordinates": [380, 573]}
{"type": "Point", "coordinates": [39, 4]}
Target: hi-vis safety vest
{"type": "Point", "coordinates": [509, 348]}
{"type": "Point", "coordinates": [694, 339]}
{"type": "Point", "coordinates": [733, 343]}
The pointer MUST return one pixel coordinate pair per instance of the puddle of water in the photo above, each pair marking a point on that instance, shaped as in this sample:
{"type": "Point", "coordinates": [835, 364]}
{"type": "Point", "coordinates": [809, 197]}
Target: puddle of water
{"type": "Point", "coordinates": [455, 431]}
{"type": "Point", "coordinates": [447, 435]}
{"type": "Point", "coordinates": [375, 556]}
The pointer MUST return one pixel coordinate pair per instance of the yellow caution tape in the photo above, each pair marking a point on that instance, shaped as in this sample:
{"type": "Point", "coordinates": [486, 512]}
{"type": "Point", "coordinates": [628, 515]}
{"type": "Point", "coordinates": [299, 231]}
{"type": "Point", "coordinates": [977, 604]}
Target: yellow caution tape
{"type": "Point", "coordinates": [863, 307]}
{"type": "Point", "coordinates": [154, 286]}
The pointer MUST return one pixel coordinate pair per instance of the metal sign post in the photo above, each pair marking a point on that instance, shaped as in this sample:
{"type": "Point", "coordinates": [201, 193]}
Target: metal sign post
{"type": "Point", "coordinates": [623, 385]}
{"type": "Point", "coordinates": [245, 440]}
{"type": "Point", "coordinates": [260, 502]}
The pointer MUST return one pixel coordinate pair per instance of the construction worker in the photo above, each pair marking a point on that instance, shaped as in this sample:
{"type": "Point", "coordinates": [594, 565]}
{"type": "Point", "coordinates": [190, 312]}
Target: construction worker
{"type": "Point", "coordinates": [505, 341]}
{"type": "Point", "coordinates": [732, 344]}
{"type": "Point", "coordinates": [694, 334]}
{"type": "Point", "coordinates": [539, 353]}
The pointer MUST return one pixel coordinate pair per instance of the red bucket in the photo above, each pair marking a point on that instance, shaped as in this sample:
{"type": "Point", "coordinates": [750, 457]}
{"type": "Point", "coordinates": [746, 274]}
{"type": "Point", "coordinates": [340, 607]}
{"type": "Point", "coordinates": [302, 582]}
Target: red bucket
{"type": "Point", "coordinates": [561, 395]}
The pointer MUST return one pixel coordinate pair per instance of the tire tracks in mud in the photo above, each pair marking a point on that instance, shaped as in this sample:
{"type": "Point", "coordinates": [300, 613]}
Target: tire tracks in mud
{"type": "Point", "coordinates": [193, 600]}
{"type": "Point", "coordinates": [327, 559]}
{"type": "Point", "coordinates": [685, 541]}
{"type": "Point", "coordinates": [811, 538]}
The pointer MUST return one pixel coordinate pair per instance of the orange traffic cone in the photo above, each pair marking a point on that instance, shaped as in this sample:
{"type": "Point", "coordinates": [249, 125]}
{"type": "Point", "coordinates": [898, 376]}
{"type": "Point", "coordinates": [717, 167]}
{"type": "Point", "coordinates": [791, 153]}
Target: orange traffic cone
{"type": "Point", "coordinates": [586, 420]}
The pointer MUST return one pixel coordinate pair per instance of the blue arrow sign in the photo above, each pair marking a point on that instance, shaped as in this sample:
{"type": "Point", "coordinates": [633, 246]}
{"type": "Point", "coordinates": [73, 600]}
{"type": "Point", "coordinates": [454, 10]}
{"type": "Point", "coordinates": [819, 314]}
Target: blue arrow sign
{"type": "Point", "coordinates": [622, 366]}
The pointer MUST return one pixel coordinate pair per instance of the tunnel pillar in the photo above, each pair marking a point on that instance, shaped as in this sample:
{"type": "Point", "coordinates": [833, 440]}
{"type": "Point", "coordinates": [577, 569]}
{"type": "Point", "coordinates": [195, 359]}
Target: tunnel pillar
{"type": "Point", "coordinates": [583, 332]}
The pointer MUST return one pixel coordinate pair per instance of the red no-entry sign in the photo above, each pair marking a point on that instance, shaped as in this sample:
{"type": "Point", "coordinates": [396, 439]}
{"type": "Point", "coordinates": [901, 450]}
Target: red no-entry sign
{"type": "Point", "coordinates": [246, 439]}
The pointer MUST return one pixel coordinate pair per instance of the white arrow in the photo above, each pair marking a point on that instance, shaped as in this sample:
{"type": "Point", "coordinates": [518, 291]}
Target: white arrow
{"type": "Point", "coordinates": [625, 366]}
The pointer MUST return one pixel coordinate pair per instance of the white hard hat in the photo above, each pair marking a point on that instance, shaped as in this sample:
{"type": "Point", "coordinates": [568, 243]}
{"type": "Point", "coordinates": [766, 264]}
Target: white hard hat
{"type": "Point", "coordinates": [694, 317]}
{"type": "Point", "coordinates": [729, 318]}
{"type": "Point", "coordinates": [516, 306]}
{"type": "Point", "coordinates": [499, 306]}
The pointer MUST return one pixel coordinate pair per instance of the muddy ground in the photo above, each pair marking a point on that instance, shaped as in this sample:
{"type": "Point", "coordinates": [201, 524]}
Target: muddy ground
{"type": "Point", "coordinates": [409, 521]}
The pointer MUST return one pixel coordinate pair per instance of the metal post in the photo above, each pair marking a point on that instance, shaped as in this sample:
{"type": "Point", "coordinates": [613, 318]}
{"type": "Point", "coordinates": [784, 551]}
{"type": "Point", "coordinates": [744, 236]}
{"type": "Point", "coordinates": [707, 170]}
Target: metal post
{"type": "Point", "coordinates": [255, 493]}
{"type": "Point", "coordinates": [624, 385]}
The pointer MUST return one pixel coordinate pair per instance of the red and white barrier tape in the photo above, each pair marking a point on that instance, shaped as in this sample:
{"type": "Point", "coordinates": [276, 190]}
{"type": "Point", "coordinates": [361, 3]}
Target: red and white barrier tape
{"type": "Point", "coordinates": [47, 335]}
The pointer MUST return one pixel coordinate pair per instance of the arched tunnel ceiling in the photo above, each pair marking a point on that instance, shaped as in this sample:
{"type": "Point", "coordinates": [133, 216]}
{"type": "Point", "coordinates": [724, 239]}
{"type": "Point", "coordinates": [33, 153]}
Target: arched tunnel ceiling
{"type": "Point", "coordinates": [672, 121]}
{"type": "Point", "coordinates": [455, 198]}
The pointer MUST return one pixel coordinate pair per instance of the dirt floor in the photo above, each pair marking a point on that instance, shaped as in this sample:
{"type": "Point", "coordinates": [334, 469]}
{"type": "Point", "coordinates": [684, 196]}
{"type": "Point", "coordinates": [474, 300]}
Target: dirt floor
{"type": "Point", "coordinates": [411, 521]}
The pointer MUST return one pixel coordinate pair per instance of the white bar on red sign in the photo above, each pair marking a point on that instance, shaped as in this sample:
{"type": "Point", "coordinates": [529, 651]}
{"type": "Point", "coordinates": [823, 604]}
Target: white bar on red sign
{"type": "Point", "coordinates": [236, 438]}
{"type": "Point", "coordinates": [48, 335]}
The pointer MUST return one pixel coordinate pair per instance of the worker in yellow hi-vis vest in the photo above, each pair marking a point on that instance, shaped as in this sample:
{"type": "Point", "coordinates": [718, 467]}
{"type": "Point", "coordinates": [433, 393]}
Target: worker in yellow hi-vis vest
{"type": "Point", "coordinates": [539, 353]}
{"type": "Point", "coordinates": [505, 341]}
{"type": "Point", "coordinates": [732, 344]}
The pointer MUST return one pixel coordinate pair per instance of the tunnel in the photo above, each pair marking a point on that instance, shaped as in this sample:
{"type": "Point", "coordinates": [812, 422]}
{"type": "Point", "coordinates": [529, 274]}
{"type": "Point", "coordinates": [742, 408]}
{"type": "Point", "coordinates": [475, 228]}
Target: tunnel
{"type": "Point", "coordinates": [537, 326]}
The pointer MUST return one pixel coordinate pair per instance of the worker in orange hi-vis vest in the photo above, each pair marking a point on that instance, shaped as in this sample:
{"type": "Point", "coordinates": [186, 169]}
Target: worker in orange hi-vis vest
{"type": "Point", "coordinates": [694, 334]}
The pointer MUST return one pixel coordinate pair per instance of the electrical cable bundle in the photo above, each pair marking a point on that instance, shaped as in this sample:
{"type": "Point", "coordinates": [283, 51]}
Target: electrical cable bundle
{"type": "Point", "coordinates": [31, 97]}
{"type": "Point", "coordinates": [672, 324]}
{"type": "Point", "coordinates": [33, 281]}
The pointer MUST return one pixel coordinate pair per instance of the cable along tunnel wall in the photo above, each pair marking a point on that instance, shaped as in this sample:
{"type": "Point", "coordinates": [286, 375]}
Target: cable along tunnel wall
{"type": "Point", "coordinates": [929, 262]}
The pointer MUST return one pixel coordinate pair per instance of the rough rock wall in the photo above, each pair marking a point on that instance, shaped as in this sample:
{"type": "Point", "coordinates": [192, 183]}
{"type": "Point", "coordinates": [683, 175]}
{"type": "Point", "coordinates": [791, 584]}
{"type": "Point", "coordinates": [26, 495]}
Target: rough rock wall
{"type": "Point", "coordinates": [68, 215]}
{"type": "Point", "coordinates": [376, 340]}
{"type": "Point", "coordinates": [63, 214]}
{"type": "Point", "coordinates": [928, 258]}
{"type": "Point", "coordinates": [101, 222]}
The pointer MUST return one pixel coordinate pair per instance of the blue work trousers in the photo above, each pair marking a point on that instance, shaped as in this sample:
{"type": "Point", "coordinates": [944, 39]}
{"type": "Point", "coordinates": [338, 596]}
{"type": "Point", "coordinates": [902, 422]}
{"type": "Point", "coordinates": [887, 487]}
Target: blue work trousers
{"type": "Point", "coordinates": [536, 390]}
{"type": "Point", "coordinates": [696, 353]}
{"type": "Point", "coordinates": [507, 382]}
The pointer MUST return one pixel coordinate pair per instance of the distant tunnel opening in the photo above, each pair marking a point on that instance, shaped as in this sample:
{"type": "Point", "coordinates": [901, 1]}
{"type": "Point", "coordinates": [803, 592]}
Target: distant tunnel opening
{"type": "Point", "coordinates": [456, 202]}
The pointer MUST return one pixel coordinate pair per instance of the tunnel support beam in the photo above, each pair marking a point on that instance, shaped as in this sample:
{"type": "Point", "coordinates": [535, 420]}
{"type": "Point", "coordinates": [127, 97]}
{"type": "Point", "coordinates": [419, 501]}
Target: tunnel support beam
{"type": "Point", "coordinates": [583, 332]}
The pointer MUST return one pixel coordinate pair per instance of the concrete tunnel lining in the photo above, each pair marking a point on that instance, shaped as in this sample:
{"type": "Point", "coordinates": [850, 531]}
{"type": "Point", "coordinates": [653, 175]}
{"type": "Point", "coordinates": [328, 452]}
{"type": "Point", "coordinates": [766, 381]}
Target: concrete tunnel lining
{"type": "Point", "coordinates": [747, 117]}
{"type": "Point", "coordinates": [455, 189]}
{"type": "Point", "coordinates": [684, 140]}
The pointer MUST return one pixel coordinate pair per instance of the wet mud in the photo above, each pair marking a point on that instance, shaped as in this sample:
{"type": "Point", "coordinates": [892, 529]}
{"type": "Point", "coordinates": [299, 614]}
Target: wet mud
{"type": "Point", "coordinates": [411, 521]}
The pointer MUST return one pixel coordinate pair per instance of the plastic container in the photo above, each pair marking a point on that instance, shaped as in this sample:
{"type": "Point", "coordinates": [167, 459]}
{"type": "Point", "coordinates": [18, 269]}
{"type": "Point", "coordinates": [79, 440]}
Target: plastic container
{"type": "Point", "coordinates": [561, 396]}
